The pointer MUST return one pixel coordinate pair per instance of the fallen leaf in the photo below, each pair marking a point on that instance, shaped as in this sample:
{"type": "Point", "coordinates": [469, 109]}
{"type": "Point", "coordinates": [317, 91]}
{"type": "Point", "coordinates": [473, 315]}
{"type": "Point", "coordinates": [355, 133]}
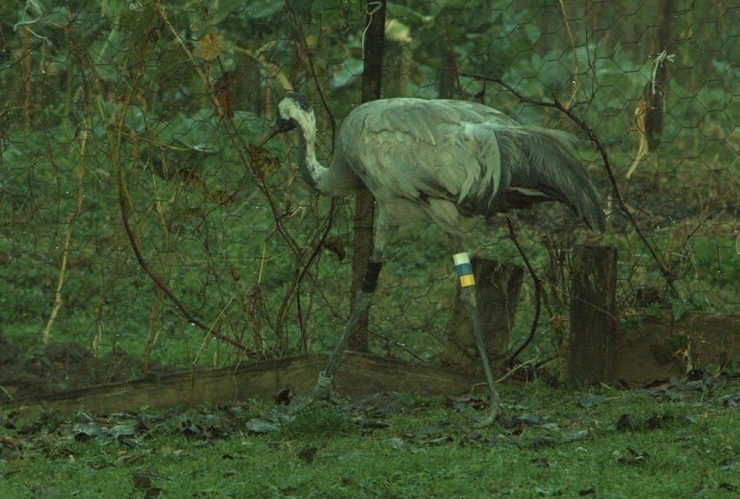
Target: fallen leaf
{"type": "Point", "coordinates": [142, 481]}
{"type": "Point", "coordinates": [633, 457]}
{"type": "Point", "coordinates": [590, 401]}
{"type": "Point", "coordinates": [572, 435]}
{"type": "Point", "coordinates": [260, 425]}
{"type": "Point", "coordinates": [307, 454]}
{"type": "Point", "coordinates": [399, 443]}
{"type": "Point", "coordinates": [283, 397]}
{"type": "Point", "coordinates": [628, 422]}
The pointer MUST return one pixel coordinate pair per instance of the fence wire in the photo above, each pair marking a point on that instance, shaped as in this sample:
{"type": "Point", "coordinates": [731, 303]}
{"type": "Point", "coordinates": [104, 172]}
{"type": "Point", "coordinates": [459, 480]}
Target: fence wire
{"type": "Point", "coordinates": [138, 217]}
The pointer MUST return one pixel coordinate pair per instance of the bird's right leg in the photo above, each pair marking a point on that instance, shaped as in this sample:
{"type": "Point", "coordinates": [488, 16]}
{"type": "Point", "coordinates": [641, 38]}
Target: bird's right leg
{"type": "Point", "coordinates": [467, 295]}
{"type": "Point", "coordinates": [323, 388]}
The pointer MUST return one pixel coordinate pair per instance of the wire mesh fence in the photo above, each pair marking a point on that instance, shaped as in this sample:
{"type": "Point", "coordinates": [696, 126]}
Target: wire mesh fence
{"type": "Point", "coordinates": [138, 216]}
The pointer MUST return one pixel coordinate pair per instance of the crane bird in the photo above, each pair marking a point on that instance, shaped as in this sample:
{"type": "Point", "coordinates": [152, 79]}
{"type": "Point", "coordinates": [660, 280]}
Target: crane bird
{"type": "Point", "coordinates": [444, 161]}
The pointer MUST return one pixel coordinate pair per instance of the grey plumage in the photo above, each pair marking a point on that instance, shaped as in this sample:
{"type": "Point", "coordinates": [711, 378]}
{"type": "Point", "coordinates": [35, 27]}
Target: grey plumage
{"type": "Point", "coordinates": [442, 161]}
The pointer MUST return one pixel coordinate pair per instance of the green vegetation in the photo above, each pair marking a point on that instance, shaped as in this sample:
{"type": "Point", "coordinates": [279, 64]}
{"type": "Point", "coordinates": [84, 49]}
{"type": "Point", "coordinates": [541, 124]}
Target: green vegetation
{"type": "Point", "coordinates": [673, 441]}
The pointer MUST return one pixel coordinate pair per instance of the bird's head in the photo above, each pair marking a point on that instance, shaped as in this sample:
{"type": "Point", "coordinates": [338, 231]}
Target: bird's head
{"type": "Point", "coordinates": [293, 110]}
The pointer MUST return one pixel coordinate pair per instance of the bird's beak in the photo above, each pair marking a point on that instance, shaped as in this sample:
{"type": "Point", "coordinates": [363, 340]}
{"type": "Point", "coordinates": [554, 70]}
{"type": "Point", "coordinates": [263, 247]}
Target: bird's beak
{"type": "Point", "coordinates": [280, 126]}
{"type": "Point", "coordinates": [269, 134]}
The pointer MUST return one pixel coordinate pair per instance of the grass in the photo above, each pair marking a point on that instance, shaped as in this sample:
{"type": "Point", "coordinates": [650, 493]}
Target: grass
{"type": "Point", "coordinates": [664, 442]}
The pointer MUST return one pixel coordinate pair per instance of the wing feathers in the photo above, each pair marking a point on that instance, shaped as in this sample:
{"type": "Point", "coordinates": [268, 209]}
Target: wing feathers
{"type": "Point", "coordinates": [462, 153]}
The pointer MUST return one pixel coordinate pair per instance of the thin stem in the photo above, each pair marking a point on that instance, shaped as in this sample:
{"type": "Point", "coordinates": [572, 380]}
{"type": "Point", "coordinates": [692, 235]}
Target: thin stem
{"type": "Point", "coordinates": [537, 292]}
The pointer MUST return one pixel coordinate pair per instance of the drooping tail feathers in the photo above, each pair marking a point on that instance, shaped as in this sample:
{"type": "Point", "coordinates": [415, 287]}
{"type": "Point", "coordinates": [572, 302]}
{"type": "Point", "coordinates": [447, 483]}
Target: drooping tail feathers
{"type": "Point", "coordinates": [544, 160]}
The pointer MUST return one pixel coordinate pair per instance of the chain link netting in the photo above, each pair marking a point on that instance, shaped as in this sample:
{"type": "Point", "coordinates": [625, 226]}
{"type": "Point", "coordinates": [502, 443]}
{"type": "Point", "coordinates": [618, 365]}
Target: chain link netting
{"type": "Point", "coordinates": [138, 216]}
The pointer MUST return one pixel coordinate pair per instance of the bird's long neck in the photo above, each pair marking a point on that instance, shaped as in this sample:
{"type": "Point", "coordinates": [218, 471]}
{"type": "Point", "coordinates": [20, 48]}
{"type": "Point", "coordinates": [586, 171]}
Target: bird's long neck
{"type": "Point", "coordinates": [311, 170]}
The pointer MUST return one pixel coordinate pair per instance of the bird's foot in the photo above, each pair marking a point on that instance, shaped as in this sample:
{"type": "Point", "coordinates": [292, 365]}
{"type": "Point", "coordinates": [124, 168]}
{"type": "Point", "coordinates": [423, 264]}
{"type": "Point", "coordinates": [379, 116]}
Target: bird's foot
{"type": "Point", "coordinates": [493, 412]}
{"type": "Point", "coordinates": [323, 390]}
{"type": "Point", "coordinates": [487, 421]}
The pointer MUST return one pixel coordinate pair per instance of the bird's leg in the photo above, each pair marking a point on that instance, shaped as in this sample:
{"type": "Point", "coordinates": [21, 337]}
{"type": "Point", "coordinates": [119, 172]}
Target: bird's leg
{"type": "Point", "coordinates": [323, 388]}
{"type": "Point", "coordinates": [467, 295]}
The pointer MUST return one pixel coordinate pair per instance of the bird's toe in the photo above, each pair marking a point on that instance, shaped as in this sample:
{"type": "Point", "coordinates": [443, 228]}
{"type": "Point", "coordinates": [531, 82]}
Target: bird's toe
{"type": "Point", "coordinates": [488, 420]}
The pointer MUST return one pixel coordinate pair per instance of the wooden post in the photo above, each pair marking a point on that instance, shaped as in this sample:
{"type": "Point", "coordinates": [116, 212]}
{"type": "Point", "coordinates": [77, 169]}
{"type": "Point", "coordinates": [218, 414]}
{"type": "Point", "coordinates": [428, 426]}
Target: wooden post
{"type": "Point", "coordinates": [372, 85]}
{"type": "Point", "coordinates": [593, 316]}
{"type": "Point", "coordinates": [497, 288]}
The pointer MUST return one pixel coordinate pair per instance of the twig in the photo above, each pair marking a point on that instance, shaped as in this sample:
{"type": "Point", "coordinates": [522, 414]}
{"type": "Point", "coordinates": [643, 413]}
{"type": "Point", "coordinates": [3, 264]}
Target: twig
{"type": "Point", "coordinates": [317, 247]}
{"type": "Point", "coordinates": [508, 374]}
{"type": "Point", "coordinates": [572, 39]}
{"type": "Point", "coordinates": [2, 388]}
{"type": "Point", "coordinates": [68, 238]}
{"type": "Point", "coordinates": [537, 292]}
{"type": "Point", "coordinates": [312, 70]}
{"type": "Point", "coordinates": [196, 66]}
{"type": "Point", "coordinates": [116, 139]}
{"type": "Point", "coordinates": [453, 59]}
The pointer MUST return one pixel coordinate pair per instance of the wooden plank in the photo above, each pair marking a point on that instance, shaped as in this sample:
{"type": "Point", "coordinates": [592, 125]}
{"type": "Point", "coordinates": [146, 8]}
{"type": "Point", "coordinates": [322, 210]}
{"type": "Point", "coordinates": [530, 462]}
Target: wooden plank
{"type": "Point", "coordinates": [593, 316]}
{"type": "Point", "coordinates": [652, 347]}
{"type": "Point", "coordinates": [358, 374]}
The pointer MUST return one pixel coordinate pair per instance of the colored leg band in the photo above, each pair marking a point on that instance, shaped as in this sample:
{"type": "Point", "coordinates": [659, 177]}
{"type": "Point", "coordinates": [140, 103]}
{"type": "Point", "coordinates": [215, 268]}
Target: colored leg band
{"type": "Point", "coordinates": [370, 281]}
{"type": "Point", "coordinates": [464, 269]}
{"type": "Point", "coordinates": [324, 381]}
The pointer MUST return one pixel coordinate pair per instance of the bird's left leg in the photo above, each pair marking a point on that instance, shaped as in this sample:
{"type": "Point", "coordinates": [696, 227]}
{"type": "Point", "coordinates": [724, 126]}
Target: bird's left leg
{"type": "Point", "coordinates": [467, 295]}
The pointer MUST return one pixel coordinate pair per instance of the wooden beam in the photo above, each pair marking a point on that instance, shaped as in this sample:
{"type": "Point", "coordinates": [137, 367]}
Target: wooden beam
{"type": "Point", "coordinates": [359, 374]}
{"type": "Point", "coordinates": [653, 346]}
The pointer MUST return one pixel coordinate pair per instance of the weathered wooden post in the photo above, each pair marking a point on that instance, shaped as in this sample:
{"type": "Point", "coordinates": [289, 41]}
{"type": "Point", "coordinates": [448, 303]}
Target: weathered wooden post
{"type": "Point", "coordinates": [497, 287]}
{"type": "Point", "coordinates": [593, 316]}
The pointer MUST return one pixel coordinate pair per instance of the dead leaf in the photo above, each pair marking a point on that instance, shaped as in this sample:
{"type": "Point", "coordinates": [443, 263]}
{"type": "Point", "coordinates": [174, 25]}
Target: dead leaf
{"type": "Point", "coordinates": [628, 422]}
{"type": "Point", "coordinates": [192, 178]}
{"type": "Point", "coordinates": [264, 163]}
{"type": "Point", "coordinates": [334, 244]}
{"type": "Point", "coordinates": [633, 457]}
{"type": "Point", "coordinates": [142, 481]}
{"type": "Point", "coordinates": [209, 46]}
{"type": "Point", "coordinates": [221, 197]}
{"type": "Point", "coordinates": [307, 454]}
{"type": "Point", "coordinates": [283, 397]}
{"type": "Point", "coordinates": [153, 492]}
{"type": "Point", "coordinates": [590, 401]}
{"type": "Point", "coordinates": [235, 274]}
{"type": "Point", "coordinates": [260, 425]}
{"type": "Point", "coordinates": [396, 31]}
